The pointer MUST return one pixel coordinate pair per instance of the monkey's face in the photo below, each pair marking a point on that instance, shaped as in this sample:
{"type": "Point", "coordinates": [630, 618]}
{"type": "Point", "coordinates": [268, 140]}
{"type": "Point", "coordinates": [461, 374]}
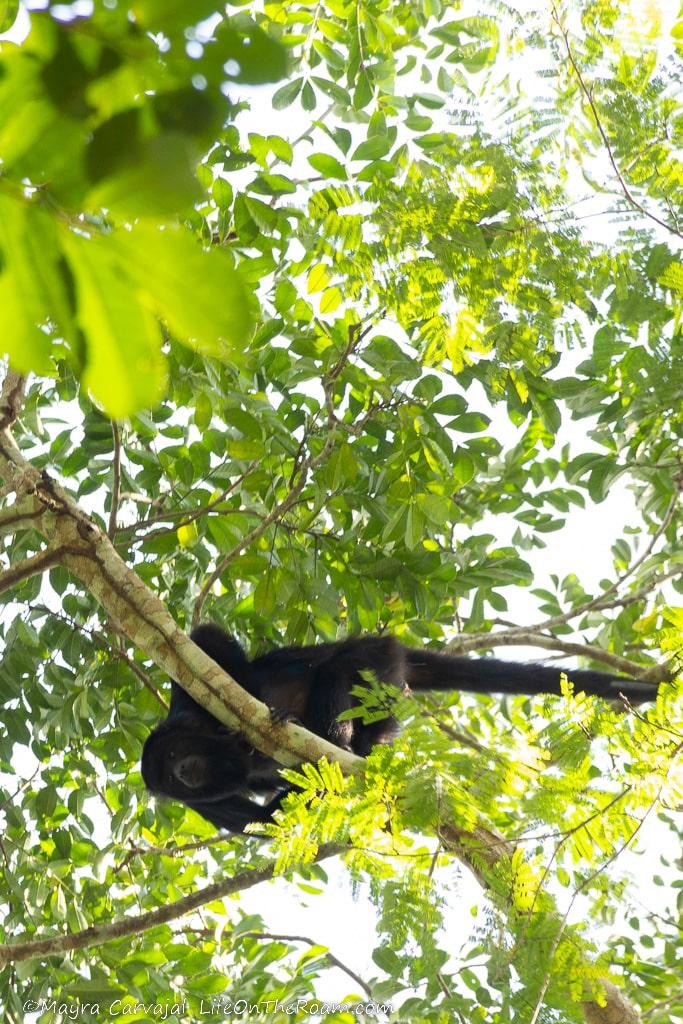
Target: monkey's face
{"type": "Point", "coordinates": [201, 766]}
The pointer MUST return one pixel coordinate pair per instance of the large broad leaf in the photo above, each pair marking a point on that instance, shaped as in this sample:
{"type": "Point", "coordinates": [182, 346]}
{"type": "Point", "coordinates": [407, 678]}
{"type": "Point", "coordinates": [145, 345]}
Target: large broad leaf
{"type": "Point", "coordinates": [128, 281]}
{"type": "Point", "coordinates": [199, 294]}
{"type": "Point", "coordinates": [159, 183]}
{"type": "Point", "coordinates": [38, 140]}
{"type": "Point", "coordinates": [33, 295]}
{"type": "Point", "coordinates": [172, 16]}
{"type": "Point", "coordinates": [246, 53]}
{"type": "Point", "coordinates": [124, 367]}
{"type": "Point", "coordinates": [8, 13]}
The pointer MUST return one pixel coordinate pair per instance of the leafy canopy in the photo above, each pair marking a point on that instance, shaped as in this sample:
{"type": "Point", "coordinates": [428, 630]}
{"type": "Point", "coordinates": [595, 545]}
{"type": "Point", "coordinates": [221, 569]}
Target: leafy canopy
{"type": "Point", "coordinates": [342, 312]}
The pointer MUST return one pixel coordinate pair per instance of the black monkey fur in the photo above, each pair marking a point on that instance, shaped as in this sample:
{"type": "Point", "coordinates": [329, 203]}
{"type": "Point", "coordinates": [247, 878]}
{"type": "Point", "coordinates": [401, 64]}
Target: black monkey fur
{"type": "Point", "coordinates": [192, 757]}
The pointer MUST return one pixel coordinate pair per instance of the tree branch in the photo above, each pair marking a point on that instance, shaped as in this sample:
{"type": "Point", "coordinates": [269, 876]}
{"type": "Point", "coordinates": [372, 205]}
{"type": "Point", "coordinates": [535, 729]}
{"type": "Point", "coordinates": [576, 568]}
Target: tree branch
{"type": "Point", "coordinates": [536, 634]}
{"type": "Point", "coordinates": [628, 195]}
{"type": "Point", "coordinates": [28, 567]}
{"type": "Point", "coordinates": [105, 644]}
{"type": "Point", "coordinates": [116, 482]}
{"type": "Point", "coordinates": [26, 949]}
{"type": "Point", "coordinates": [532, 638]}
{"type": "Point", "coordinates": [19, 516]}
{"type": "Point", "coordinates": [312, 462]}
{"type": "Point", "coordinates": [310, 942]}
{"type": "Point", "coordinates": [11, 398]}
{"type": "Point", "coordinates": [188, 516]}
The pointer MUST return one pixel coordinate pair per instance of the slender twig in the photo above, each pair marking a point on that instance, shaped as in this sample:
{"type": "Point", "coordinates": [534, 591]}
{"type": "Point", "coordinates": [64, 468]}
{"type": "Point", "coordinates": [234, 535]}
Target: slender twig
{"type": "Point", "coordinates": [532, 638]}
{"type": "Point", "coordinates": [429, 706]}
{"type": "Point", "coordinates": [568, 833]}
{"type": "Point", "coordinates": [189, 515]}
{"type": "Point", "coordinates": [116, 484]}
{"type": "Point", "coordinates": [28, 567]}
{"type": "Point", "coordinates": [25, 783]}
{"type": "Point", "coordinates": [663, 1004]}
{"type": "Point", "coordinates": [335, 961]}
{"type": "Point", "coordinates": [100, 638]}
{"type": "Point", "coordinates": [170, 851]}
{"type": "Point", "coordinates": [479, 641]}
{"type": "Point", "coordinates": [179, 522]}
{"type": "Point", "coordinates": [631, 199]}
{"type": "Point", "coordinates": [273, 516]}
{"type": "Point", "coordinates": [637, 595]}
{"type": "Point", "coordinates": [550, 956]}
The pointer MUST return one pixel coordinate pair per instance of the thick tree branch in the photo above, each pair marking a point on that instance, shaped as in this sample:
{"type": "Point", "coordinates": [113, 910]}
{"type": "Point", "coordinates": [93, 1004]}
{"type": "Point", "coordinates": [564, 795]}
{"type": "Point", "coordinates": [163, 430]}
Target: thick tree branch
{"type": "Point", "coordinates": [19, 516]}
{"type": "Point", "coordinates": [11, 398]}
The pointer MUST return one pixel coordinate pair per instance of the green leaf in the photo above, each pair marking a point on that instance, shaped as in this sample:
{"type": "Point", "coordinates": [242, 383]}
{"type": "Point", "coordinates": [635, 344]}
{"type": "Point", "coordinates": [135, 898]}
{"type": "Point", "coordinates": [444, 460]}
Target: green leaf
{"type": "Point", "coordinates": [470, 422]}
{"type": "Point", "coordinates": [330, 300]}
{"type": "Point", "coordinates": [285, 96]}
{"type": "Point", "coordinates": [418, 122]}
{"type": "Point", "coordinates": [430, 100]}
{"type": "Point", "coordinates": [199, 294]}
{"type": "Point", "coordinates": [187, 535]}
{"type": "Point", "coordinates": [203, 411]}
{"type": "Point", "coordinates": [308, 100]}
{"type": "Point", "coordinates": [8, 14]}
{"type": "Point", "coordinates": [258, 57]}
{"type": "Point", "coordinates": [327, 165]}
{"type": "Point", "coordinates": [124, 368]}
{"type": "Point", "coordinates": [448, 405]}
{"type": "Point", "coordinates": [222, 193]}
{"type": "Point", "coordinates": [333, 90]}
{"type": "Point", "coordinates": [171, 16]}
{"type": "Point", "coordinates": [318, 278]}
{"type": "Point", "coordinates": [373, 148]}
{"type": "Point", "coordinates": [463, 469]}
{"type": "Point", "coordinates": [159, 181]}
{"type": "Point", "coordinates": [33, 286]}
{"type": "Point", "coordinates": [363, 92]}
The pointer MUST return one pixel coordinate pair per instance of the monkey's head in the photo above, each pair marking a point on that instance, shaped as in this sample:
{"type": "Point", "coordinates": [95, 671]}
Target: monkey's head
{"type": "Point", "coordinates": [191, 762]}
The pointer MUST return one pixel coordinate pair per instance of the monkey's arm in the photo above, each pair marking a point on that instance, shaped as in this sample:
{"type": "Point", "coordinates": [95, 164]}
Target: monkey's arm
{"type": "Point", "coordinates": [236, 812]}
{"type": "Point", "coordinates": [330, 695]}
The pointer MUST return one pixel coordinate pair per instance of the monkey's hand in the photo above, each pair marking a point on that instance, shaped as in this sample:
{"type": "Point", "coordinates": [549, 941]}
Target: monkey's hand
{"type": "Point", "coordinates": [280, 716]}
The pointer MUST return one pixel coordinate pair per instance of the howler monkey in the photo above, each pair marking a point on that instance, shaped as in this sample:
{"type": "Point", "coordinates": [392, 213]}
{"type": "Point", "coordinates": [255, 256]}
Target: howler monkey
{"type": "Point", "coordinates": [192, 757]}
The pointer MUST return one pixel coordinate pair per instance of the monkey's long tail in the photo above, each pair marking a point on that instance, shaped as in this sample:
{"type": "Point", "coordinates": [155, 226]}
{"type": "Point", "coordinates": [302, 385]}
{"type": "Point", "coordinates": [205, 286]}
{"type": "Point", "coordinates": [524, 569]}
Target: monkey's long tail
{"type": "Point", "coordinates": [430, 671]}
